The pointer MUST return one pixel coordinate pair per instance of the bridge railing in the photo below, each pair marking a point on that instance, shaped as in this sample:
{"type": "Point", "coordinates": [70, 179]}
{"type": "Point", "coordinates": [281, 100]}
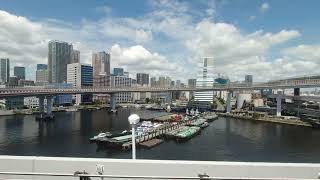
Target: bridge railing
{"type": "Point", "coordinates": [58, 168]}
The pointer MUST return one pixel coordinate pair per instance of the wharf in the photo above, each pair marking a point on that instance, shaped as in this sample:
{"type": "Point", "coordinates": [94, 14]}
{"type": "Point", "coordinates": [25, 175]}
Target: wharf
{"type": "Point", "coordinates": [269, 119]}
{"type": "Point", "coordinates": [151, 143]}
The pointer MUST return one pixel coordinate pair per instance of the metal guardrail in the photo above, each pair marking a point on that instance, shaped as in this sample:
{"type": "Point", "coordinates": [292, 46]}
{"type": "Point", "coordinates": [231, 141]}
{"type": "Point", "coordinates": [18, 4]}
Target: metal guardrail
{"type": "Point", "coordinates": [85, 176]}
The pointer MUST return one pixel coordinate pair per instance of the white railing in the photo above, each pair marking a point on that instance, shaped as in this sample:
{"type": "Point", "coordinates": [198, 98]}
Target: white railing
{"type": "Point", "coordinates": [57, 168]}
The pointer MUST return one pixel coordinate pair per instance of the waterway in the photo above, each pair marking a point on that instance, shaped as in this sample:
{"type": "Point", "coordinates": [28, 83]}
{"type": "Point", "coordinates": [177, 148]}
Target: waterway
{"type": "Point", "coordinates": [224, 140]}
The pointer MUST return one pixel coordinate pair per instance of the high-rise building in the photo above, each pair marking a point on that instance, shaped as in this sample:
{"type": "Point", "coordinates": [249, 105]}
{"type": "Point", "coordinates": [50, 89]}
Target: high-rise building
{"type": "Point", "coordinates": [122, 82]}
{"type": "Point", "coordinates": [101, 64]}
{"type": "Point", "coordinates": [205, 78]}
{"type": "Point", "coordinates": [75, 56]}
{"type": "Point", "coordinates": [42, 76]}
{"type": "Point", "coordinates": [101, 73]}
{"type": "Point", "coordinates": [118, 72]}
{"type": "Point", "coordinates": [153, 82]}
{"type": "Point", "coordinates": [172, 83]}
{"type": "Point", "coordinates": [59, 56]}
{"type": "Point", "coordinates": [19, 72]}
{"type": "Point", "coordinates": [13, 81]}
{"type": "Point", "coordinates": [143, 79]}
{"type": "Point", "coordinates": [248, 79]}
{"type": "Point", "coordinates": [4, 71]}
{"type": "Point", "coordinates": [80, 75]}
{"type": "Point", "coordinates": [42, 67]}
{"type": "Point", "coordinates": [192, 83]}
{"type": "Point", "coordinates": [178, 83]}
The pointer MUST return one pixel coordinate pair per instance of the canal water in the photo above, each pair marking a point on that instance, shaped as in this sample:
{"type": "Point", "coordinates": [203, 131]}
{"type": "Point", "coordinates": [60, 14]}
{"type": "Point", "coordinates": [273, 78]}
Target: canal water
{"type": "Point", "coordinates": [224, 140]}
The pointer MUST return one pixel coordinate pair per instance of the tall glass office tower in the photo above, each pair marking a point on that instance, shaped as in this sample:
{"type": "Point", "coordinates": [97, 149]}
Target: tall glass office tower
{"type": "Point", "coordinates": [4, 70]}
{"type": "Point", "coordinates": [19, 72]}
{"type": "Point", "coordinates": [205, 78]}
{"type": "Point", "coordinates": [59, 56]}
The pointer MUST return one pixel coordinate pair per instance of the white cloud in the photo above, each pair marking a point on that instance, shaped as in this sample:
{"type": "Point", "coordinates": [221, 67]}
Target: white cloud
{"type": "Point", "coordinates": [304, 52]}
{"type": "Point", "coordinates": [135, 44]}
{"type": "Point", "coordinates": [138, 59]}
{"type": "Point", "coordinates": [264, 7]}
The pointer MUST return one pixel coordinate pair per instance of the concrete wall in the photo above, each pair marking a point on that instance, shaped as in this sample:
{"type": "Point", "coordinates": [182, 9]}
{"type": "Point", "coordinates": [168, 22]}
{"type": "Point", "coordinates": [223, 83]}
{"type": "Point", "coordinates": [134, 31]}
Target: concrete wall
{"type": "Point", "coordinates": [154, 168]}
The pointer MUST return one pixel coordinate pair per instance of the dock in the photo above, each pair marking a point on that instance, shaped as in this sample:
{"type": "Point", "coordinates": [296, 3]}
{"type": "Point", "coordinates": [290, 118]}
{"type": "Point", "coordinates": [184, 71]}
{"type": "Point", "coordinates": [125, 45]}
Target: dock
{"type": "Point", "coordinates": [268, 119]}
{"type": "Point", "coordinates": [149, 139]}
{"type": "Point", "coordinates": [151, 143]}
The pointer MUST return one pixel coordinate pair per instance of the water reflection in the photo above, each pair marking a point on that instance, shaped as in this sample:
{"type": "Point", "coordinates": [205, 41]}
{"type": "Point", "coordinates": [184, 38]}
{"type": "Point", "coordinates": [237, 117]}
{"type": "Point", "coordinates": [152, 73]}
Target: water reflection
{"type": "Point", "coordinates": [225, 139]}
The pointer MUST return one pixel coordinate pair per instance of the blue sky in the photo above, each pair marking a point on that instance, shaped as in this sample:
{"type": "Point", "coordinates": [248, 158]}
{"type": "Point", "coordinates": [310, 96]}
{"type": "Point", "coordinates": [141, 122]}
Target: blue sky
{"type": "Point", "coordinates": [279, 38]}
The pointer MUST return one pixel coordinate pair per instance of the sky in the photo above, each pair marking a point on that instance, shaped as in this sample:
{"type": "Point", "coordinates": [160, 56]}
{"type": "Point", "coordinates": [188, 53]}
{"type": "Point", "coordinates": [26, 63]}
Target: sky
{"type": "Point", "coordinates": [270, 39]}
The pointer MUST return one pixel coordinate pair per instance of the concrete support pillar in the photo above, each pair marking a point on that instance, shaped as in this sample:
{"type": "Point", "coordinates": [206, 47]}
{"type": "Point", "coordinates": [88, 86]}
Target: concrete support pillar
{"type": "Point", "coordinates": [229, 96]}
{"type": "Point", "coordinates": [279, 94]}
{"type": "Point", "coordinates": [49, 105]}
{"type": "Point", "coordinates": [296, 91]}
{"type": "Point", "coordinates": [113, 102]}
{"type": "Point", "coordinates": [41, 104]}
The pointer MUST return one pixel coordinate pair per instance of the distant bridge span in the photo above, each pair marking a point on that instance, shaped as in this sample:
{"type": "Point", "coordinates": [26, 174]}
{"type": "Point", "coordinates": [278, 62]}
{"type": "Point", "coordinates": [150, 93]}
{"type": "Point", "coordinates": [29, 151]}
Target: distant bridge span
{"type": "Point", "coordinates": [306, 82]}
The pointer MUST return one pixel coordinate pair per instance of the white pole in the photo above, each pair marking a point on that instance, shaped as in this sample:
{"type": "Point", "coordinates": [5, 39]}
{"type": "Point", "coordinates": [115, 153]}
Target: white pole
{"type": "Point", "coordinates": [133, 142]}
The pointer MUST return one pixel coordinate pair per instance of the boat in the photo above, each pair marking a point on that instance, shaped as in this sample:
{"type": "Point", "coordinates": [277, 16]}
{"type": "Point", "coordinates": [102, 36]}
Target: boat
{"type": "Point", "coordinates": [204, 125]}
{"type": "Point", "coordinates": [71, 109]}
{"type": "Point", "coordinates": [101, 135]}
{"type": "Point", "coordinates": [210, 117]}
{"type": "Point", "coordinates": [314, 123]}
{"type": "Point", "coordinates": [198, 122]}
{"type": "Point", "coordinates": [187, 134]}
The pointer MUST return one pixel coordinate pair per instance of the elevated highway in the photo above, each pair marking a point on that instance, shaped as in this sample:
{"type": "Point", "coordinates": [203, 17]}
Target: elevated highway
{"type": "Point", "coordinates": [32, 91]}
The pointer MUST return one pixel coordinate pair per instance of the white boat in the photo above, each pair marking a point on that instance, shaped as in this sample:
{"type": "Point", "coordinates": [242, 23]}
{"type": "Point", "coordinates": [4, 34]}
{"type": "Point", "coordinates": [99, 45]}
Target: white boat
{"type": "Point", "coordinates": [101, 135]}
{"type": "Point", "coordinates": [71, 109]}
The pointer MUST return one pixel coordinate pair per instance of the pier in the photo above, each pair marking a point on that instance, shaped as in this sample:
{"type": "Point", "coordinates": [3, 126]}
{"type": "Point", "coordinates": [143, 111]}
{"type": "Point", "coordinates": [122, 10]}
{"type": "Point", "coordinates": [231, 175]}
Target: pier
{"type": "Point", "coordinates": [152, 138]}
{"type": "Point", "coordinates": [266, 118]}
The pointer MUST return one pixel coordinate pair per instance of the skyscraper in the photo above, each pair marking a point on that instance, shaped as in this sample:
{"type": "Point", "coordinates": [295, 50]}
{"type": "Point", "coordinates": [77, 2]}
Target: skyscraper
{"type": "Point", "coordinates": [192, 83]}
{"type": "Point", "coordinates": [59, 56]}
{"type": "Point", "coordinates": [248, 79]}
{"type": "Point", "coordinates": [205, 78]}
{"type": "Point", "coordinates": [19, 72]}
{"type": "Point", "coordinates": [42, 76]}
{"type": "Point", "coordinates": [75, 56]}
{"type": "Point", "coordinates": [122, 82]}
{"type": "Point", "coordinates": [153, 82]}
{"type": "Point", "coordinates": [178, 83]}
{"type": "Point", "coordinates": [143, 79]}
{"type": "Point", "coordinates": [80, 75]}
{"type": "Point", "coordinates": [101, 63]}
{"type": "Point", "coordinates": [118, 71]}
{"type": "Point", "coordinates": [42, 73]}
{"type": "Point", "coordinates": [4, 70]}
{"type": "Point", "coordinates": [101, 73]}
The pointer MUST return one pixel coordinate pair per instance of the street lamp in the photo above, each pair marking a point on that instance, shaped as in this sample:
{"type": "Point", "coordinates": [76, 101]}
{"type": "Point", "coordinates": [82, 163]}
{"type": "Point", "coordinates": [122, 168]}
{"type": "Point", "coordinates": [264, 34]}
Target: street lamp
{"type": "Point", "coordinates": [133, 120]}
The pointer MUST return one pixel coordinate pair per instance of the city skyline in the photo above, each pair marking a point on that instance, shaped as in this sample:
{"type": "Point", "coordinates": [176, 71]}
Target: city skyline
{"type": "Point", "coordinates": [256, 42]}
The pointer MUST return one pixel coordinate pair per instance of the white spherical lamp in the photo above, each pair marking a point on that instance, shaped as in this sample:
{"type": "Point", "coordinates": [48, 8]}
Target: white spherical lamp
{"type": "Point", "coordinates": [133, 119]}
